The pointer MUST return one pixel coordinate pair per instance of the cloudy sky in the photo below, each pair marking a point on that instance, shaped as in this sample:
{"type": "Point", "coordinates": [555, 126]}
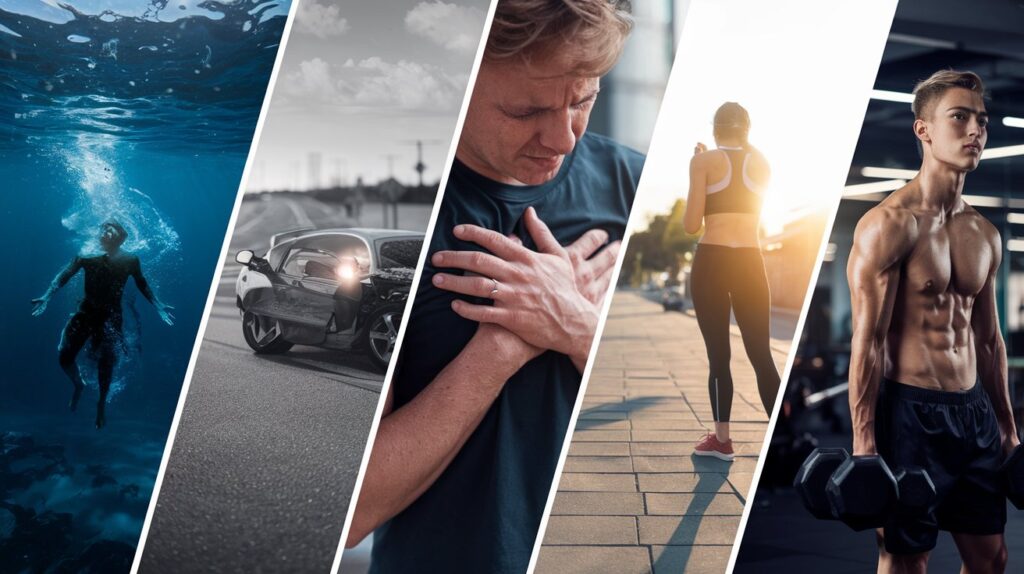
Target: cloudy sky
{"type": "Point", "coordinates": [361, 81]}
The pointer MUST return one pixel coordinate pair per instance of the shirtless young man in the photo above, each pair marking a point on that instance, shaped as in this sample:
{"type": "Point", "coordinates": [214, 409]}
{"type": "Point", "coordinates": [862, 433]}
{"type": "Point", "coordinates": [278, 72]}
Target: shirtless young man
{"type": "Point", "coordinates": [928, 380]}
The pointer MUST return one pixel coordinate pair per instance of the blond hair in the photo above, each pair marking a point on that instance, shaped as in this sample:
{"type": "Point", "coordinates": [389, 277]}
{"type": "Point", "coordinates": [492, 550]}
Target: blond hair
{"type": "Point", "coordinates": [926, 92]}
{"type": "Point", "coordinates": [590, 32]}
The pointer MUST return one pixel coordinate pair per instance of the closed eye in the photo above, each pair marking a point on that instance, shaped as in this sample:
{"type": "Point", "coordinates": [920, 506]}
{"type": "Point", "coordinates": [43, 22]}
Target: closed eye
{"type": "Point", "coordinates": [585, 102]}
{"type": "Point", "coordinates": [522, 115]}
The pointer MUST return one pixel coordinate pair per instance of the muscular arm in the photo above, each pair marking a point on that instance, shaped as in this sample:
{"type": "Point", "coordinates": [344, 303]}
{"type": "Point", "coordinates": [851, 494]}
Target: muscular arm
{"type": "Point", "coordinates": [991, 352]}
{"type": "Point", "coordinates": [881, 241]}
{"type": "Point", "coordinates": [416, 442]}
{"type": "Point", "coordinates": [694, 216]}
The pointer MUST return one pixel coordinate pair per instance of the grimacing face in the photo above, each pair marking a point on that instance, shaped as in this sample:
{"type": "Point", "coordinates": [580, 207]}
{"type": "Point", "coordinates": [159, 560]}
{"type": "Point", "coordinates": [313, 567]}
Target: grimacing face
{"type": "Point", "coordinates": [955, 129]}
{"type": "Point", "coordinates": [523, 120]}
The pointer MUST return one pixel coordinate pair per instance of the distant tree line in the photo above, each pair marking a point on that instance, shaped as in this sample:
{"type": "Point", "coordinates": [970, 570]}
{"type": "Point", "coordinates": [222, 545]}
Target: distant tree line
{"type": "Point", "coordinates": [662, 247]}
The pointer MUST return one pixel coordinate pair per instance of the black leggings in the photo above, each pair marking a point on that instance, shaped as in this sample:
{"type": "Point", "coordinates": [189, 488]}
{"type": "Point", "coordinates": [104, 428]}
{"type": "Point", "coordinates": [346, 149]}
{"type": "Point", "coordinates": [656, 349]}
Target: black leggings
{"type": "Point", "coordinates": [733, 278]}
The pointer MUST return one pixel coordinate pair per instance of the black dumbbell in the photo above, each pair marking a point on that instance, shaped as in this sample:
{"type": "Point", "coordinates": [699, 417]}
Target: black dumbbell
{"type": "Point", "coordinates": [1013, 471]}
{"type": "Point", "coordinates": [812, 478]}
{"type": "Point", "coordinates": [916, 491]}
{"type": "Point", "coordinates": [862, 492]}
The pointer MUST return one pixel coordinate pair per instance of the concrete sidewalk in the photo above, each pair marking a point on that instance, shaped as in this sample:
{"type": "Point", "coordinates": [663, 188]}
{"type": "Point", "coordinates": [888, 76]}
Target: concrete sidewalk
{"type": "Point", "coordinates": [632, 498]}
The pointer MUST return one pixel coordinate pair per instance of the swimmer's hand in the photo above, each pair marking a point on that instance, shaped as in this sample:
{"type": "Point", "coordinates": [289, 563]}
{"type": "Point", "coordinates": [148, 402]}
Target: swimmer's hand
{"type": "Point", "coordinates": [39, 305]}
{"type": "Point", "coordinates": [699, 148]}
{"type": "Point", "coordinates": [165, 313]}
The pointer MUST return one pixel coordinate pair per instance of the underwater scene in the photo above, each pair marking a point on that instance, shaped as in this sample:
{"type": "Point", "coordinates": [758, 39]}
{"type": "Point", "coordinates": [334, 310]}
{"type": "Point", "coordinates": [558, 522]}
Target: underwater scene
{"type": "Point", "coordinates": [124, 131]}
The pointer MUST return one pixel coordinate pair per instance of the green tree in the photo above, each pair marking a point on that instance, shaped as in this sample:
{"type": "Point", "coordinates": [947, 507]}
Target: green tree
{"type": "Point", "coordinates": [658, 248]}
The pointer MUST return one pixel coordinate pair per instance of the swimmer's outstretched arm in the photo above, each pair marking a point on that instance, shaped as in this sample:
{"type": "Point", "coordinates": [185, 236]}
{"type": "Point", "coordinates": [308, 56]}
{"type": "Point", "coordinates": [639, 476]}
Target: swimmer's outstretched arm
{"type": "Point", "coordinates": [62, 278]}
{"type": "Point", "coordinates": [140, 281]}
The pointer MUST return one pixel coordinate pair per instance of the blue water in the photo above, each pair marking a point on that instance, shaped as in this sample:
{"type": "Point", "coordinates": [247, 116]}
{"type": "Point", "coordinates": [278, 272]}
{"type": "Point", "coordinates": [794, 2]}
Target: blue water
{"type": "Point", "coordinates": [143, 113]}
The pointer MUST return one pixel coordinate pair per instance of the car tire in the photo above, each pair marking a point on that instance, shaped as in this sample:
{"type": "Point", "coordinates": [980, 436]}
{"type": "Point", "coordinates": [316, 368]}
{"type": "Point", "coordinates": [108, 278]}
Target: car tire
{"type": "Point", "coordinates": [381, 334]}
{"type": "Point", "coordinates": [263, 334]}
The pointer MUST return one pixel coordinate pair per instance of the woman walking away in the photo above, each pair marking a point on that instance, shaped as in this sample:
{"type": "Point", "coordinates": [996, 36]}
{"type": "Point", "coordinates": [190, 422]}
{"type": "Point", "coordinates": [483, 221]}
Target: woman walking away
{"type": "Point", "coordinates": [726, 191]}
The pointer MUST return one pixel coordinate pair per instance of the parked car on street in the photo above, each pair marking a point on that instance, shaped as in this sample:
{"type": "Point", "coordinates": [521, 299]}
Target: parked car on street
{"type": "Point", "coordinates": [673, 299]}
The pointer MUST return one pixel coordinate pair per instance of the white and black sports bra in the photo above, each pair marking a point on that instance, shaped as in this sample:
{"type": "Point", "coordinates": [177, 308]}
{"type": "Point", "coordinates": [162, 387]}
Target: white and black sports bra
{"type": "Point", "coordinates": [734, 195]}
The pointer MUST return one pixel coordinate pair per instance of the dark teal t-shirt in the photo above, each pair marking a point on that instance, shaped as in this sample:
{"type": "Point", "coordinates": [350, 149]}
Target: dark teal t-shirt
{"type": "Point", "coordinates": [483, 512]}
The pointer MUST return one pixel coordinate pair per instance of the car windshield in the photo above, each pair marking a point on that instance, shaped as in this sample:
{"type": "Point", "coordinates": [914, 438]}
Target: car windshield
{"type": "Point", "coordinates": [398, 253]}
{"type": "Point", "coordinates": [327, 250]}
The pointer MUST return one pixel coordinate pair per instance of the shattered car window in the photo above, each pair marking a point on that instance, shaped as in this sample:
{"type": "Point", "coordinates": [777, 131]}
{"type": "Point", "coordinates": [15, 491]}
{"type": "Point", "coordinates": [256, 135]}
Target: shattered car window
{"type": "Point", "coordinates": [399, 253]}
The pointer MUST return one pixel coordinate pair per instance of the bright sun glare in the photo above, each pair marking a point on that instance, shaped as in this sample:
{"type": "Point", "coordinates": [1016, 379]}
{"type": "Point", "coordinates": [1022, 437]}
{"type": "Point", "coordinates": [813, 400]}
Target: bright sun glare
{"type": "Point", "coordinates": [792, 84]}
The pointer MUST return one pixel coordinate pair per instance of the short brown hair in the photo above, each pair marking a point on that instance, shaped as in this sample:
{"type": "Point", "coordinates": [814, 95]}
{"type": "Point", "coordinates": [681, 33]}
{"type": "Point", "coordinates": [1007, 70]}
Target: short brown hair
{"type": "Point", "coordinates": [594, 31]}
{"type": "Point", "coordinates": [927, 91]}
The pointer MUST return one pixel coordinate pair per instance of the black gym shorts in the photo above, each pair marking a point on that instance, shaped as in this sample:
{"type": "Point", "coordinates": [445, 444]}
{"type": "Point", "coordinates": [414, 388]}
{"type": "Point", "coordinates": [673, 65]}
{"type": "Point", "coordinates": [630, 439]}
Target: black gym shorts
{"type": "Point", "coordinates": [954, 436]}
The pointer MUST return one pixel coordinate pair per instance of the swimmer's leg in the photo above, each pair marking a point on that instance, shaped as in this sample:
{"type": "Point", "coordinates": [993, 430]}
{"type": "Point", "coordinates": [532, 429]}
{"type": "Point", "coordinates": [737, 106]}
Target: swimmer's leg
{"type": "Point", "coordinates": [105, 368]}
{"type": "Point", "coordinates": [110, 343]}
{"type": "Point", "coordinates": [75, 334]}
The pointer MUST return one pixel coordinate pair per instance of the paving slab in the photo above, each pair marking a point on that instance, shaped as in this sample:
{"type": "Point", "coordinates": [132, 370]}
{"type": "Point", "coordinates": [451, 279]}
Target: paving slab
{"type": "Point", "coordinates": [632, 497]}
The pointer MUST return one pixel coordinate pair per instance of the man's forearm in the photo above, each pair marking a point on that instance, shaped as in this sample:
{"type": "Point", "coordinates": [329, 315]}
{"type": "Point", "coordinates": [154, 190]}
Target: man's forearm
{"type": "Point", "coordinates": [993, 374]}
{"type": "Point", "coordinates": [416, 442]}
{"type": "Point", "coordinates": [865, 378]}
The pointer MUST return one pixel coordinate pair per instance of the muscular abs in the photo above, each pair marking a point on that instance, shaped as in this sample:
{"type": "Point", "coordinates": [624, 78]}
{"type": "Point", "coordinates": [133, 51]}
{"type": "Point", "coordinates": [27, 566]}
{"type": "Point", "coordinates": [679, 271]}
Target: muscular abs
{"type": "Point", "coordinates": [930, 342]}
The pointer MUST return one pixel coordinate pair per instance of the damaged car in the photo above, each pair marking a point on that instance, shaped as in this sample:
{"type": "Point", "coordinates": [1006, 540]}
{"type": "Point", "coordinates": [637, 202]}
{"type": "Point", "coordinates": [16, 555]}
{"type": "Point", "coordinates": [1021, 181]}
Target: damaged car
{"type": "Point", "coordinates": [333, 288]}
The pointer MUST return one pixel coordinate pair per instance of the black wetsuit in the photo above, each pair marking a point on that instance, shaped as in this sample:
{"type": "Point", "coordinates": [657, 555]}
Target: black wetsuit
{"type": "Point", "coordinates": [99, 314]}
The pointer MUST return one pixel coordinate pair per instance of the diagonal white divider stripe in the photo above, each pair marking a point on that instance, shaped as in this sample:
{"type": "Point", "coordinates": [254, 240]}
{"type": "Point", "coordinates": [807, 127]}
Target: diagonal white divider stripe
{"type": "Point", "coordinates": [635, 217]}
{"type": "Point", "coordinates": [862, 33]}
{"type": "Point", "coordinates": [415, 284]}
{"type": "Point", "coordinates": [844, 141]}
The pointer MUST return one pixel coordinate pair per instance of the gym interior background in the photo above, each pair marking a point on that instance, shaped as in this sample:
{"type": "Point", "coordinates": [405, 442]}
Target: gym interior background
{"type": "Point", "coordinates": [925, 37]}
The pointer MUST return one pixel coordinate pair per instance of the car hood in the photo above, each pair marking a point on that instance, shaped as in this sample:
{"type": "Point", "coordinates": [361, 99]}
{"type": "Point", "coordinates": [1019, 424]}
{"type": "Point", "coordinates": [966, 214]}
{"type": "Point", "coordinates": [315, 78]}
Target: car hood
{"type": "Point", "coordinates": [393, 277]}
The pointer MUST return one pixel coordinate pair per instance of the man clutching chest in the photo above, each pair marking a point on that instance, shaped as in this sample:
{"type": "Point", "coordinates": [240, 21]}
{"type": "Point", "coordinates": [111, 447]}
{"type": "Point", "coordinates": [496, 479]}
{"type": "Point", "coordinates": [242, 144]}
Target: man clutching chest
{"type": "Point", "coordinates": [508, 303]}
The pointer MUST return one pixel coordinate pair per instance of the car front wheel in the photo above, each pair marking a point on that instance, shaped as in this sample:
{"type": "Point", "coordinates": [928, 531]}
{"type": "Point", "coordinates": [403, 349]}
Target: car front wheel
{"type": "Point", "coordinates": [263, 334]}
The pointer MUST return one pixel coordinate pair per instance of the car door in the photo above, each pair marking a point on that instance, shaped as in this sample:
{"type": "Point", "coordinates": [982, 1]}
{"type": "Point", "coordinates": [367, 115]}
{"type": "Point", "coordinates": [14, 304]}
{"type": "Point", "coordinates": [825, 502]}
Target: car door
{"type": "Point", "coordinates": [304, 299]}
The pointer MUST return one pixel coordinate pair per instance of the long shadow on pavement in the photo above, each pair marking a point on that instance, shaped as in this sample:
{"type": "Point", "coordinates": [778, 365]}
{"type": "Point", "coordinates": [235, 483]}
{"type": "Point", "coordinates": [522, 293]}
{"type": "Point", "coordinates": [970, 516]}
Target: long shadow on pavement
{"type": "Point", "coordinates": [711, 476]}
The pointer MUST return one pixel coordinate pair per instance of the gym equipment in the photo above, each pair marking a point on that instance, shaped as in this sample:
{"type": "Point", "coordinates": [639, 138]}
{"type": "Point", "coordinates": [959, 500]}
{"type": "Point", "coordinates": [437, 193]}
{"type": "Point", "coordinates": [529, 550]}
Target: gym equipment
{"type": "Point", "coordinates": [861, 491]}
{"type": "Point", "coordinates": [916, 491]}
{"type": "Point", "coordinates": [813, 476]}
{"type": "Point", "coordinates": [1013, 470]}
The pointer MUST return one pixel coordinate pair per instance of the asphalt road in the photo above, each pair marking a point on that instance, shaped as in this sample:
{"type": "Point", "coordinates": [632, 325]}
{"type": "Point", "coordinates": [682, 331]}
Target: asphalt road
{"type": "Point", "coordinates": [268, 448]}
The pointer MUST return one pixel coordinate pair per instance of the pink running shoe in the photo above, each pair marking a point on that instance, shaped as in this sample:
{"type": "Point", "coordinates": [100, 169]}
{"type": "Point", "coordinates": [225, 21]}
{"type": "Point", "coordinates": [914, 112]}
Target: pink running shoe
{"type": "Point", "coordinates": [711, 446]}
